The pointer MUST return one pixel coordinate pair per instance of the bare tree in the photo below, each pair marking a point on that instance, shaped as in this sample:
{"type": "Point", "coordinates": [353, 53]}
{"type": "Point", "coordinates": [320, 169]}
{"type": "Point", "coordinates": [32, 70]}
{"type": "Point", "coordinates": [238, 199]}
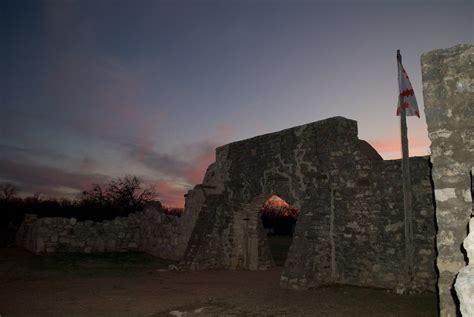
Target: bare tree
{"type": "Point", "coordinates": [8, 191]}
{"type": "Point", "coordinates": [97, 195]}
{"type": "Point", "coordinates": [126, 193]}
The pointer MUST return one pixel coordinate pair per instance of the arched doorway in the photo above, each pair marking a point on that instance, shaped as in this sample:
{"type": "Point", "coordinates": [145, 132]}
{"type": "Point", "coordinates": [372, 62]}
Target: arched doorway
{"type": "Point", "coordinates": [279, 222]}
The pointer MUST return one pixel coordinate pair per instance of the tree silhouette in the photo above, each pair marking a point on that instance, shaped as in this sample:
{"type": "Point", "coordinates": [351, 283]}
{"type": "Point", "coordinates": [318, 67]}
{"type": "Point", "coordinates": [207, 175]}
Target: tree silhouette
{"type": "Point", "coordinates": [126, 194]}
{"type": "Point", "coordinates": [8, 191]}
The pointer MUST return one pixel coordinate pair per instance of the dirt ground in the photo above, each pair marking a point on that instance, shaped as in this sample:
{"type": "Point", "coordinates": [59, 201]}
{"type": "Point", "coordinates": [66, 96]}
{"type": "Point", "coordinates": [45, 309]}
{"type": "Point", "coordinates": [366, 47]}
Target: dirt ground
{"type": "Point", "coordinates": [139, 285]}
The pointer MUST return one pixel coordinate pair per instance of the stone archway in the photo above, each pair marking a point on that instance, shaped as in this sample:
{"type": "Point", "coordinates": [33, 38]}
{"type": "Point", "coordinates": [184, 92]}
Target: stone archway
{"type": "Point", "coordinates": [255, 247]}
{"type": "Point", "coordinates": [350, 227]}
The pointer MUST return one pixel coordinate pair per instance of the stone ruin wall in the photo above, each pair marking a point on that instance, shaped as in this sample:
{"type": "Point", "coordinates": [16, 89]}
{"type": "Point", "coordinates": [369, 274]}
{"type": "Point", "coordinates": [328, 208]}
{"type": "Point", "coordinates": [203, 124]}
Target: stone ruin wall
{"type": "Point", "coordinates": [448, 91]}
{"type": "Point", "coordinates": [150, 231]}
{"type": "Point", "coordinates": [377, 223]}
{"type": "Point", "coordinates": [350, 229]}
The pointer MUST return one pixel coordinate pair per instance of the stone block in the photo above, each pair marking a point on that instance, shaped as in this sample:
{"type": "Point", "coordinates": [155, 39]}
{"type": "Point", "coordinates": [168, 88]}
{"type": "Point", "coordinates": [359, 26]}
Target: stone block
{"type": "Point", "coordinates": [39, 245]}
{"type": "Point", "coordinates": [54, 237]}
{"type": "Point", "coordinates": [111, 245]}
{"type": "Point", "coordinates": [100, 245]}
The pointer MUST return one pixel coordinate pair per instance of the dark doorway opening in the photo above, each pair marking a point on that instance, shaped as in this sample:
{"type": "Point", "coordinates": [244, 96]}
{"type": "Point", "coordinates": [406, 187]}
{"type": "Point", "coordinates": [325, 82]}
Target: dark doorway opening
{"type": "Point", "coordinates": [279, 221]}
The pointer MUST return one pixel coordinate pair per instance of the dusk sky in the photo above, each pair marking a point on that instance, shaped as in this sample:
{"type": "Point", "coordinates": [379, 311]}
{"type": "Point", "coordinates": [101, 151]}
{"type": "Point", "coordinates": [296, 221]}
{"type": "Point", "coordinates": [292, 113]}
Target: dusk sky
{"type": "Point", "coordinates": [95, 90]}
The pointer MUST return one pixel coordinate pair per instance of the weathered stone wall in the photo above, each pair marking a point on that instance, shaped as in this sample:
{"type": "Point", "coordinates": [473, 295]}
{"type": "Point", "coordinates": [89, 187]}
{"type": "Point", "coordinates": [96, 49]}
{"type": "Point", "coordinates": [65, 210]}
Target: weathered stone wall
{"type": "Point", "coordinates": [370, 236]}
{"type": "Point", "coordinates": [49, 235]}
{"type": "Point", "coordinates": [448, 91]}
{"type": "Point", "coordinates": [151, 231]}
{"type": "Point", "coordinates": [350, 228]}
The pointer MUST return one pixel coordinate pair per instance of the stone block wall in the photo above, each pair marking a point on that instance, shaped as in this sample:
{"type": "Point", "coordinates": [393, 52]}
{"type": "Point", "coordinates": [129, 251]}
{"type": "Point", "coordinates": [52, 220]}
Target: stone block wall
{"type": "Point", "coordinates": [448, 91]}
{"type": "Point", "coordinates": [151, 231]}
{"type": "Point", "coordinates": [350, 228]}
{"type": "Point", "coordinates": [49, 235]}
{"type": "Point", "coordinates": [370, 245]}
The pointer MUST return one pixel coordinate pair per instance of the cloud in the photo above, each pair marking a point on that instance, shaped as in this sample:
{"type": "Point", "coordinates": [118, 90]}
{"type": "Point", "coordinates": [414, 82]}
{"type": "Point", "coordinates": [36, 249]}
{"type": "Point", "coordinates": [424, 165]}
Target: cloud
{"type": "Point", "coordinates": [87, 164]}
{"type": "Point", "coordinates": [202, 154]}
{"type": "Point", "coordinates": [168, 193]}
{"type": "Point", "coordinates": [104, 98]}
{"type": "Point", "coordinates": [163, 163]}
{"type": "Point", "coordinates": [171, 174]}
{"type": "Point", "coordinates": [188, 164]}
{"type": "Point", "coordinates": [177, 172]}
{"type": "Point", "coordinates": [74, 84]}
{"type": "Point", "coordinates": [22, 153]}
{"type": "Point", "coordinates": [51, 181]}
{"type": "Point", "coordinates": [85, 95]}
{"type": "Point", "coordinates": [31, 177]}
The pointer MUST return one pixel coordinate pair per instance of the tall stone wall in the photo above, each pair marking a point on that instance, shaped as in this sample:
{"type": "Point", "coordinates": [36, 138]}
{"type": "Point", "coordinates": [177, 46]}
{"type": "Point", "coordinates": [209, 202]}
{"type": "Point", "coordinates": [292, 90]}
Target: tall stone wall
{"type": "Point", "coordinates": [350, 228]}
{"type": "Point", "coordinates": [375, 221]}
{"type": "Point", "coordinates": [448, 91]}
{"type": "Point", "coordinates": [151, 231]}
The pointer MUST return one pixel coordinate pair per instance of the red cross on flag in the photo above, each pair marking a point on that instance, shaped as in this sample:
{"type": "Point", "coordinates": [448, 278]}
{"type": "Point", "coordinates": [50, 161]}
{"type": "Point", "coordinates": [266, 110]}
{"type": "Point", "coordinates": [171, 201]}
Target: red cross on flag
{"type": "Point", "coordinates": [406, 93]}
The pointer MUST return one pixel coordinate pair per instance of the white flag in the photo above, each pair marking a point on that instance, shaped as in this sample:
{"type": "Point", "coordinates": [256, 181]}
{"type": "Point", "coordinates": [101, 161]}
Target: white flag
{"type": "Point", "coordinates": [406, 91]}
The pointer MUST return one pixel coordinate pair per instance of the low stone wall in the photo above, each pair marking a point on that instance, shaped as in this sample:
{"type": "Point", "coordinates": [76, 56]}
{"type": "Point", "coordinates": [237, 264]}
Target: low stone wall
{"type": "Point", "coordinates": [151, 231]}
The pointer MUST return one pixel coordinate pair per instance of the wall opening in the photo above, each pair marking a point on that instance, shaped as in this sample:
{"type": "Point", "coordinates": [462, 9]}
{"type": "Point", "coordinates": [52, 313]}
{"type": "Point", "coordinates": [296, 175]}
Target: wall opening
{"type": "Point", "coordinates": [279, 222]}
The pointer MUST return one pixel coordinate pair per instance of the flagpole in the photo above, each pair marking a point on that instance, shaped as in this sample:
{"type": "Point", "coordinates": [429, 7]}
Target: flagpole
{"type": "Point", "coordinates": [407, 196]}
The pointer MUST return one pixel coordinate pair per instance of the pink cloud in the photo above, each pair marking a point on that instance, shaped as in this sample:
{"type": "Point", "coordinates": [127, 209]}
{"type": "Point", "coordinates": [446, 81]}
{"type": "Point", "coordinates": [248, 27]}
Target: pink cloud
{"type": "Point", "coordinates": [197, 169]}
{"type": "Point", "coordinates": [186, 165]}
{"type": "Point", "coordinates": [169, 194]}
